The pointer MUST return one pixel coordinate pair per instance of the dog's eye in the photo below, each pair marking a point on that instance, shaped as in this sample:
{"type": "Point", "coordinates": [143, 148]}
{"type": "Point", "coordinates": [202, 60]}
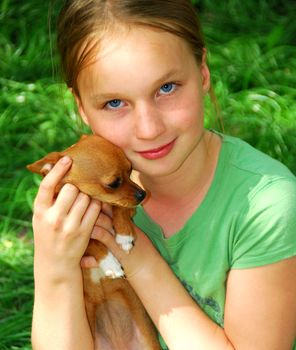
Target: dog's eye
{"type": "Point", "coordinates": [115, 184]}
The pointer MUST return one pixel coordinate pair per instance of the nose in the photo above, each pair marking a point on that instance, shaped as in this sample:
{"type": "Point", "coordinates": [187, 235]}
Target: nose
{"type": "Point", "coordinates": [140, 195]}
{"type": "Point", "coordinates": [149, 121]}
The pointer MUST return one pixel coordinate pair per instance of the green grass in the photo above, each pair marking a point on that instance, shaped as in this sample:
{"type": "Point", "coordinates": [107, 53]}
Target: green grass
{"type": "Point", "coordinates": [16, 290]}
{"type": "Point", "coordinates": [252, 56]}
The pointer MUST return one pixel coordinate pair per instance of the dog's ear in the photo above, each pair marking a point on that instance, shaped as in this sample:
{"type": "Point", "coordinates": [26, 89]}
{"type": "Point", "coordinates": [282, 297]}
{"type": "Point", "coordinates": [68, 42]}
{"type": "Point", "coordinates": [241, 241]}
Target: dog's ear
{"type": "Point", "coordinates": [44, 165]}
{"type": "Point", "coordinates": [83, 136]}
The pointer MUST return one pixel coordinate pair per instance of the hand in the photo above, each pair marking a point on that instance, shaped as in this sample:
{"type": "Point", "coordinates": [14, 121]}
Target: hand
{"type": "Point", "coordinates": [63, 225]}
{"type": "Point", "coordinates": [142, 258]}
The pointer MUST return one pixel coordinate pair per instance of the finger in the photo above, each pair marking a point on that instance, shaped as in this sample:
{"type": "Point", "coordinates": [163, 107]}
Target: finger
{"type": "Point", "coordinates": [87, 262]}
{"type": "Point", "coordinates": [66, 198]}
{"type": "Point", "coordinates": [46, 193]}
{"type": "Point", "coordinates": [78, 208]}
{"type": "Point", "coordinates": [106, 237]}
{"type": "Point", "coordinates": [104, 221]}
{"type": "Point", "coordinates": [107, 209]}
{"type": "Point", "coordinates": [90, 217]}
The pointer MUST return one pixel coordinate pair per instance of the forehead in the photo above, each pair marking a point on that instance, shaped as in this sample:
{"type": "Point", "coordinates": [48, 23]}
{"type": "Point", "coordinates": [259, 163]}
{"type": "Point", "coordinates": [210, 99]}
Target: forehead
{"type": "Point", "coordinates": [138, 38]}
{"type": "Point", "coordinates": [134, 51]}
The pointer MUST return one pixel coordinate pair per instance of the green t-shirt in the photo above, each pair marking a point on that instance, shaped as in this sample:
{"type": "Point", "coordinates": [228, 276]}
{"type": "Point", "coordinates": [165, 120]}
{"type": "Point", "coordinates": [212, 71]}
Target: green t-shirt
{"type": "Point", "coordinates": [247, 219]}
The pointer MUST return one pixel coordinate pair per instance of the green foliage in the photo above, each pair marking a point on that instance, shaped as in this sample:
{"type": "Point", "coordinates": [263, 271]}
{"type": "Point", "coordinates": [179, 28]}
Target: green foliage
{"type": "Point", "coordinates": [16, 285]}
{"type": "Point", "coordinates": [252, 56]}
{"type": "Point", "coordinates": [26, 39]}
{"type": "Point", "coordinates": [35, 118]}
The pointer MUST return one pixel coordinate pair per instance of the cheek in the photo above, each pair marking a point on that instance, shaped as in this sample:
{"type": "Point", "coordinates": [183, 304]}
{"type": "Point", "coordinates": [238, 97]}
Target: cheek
{"type": "Point", "coordinates": [190, 113]}
{"type": "Point", "coordinates": [111, 130]}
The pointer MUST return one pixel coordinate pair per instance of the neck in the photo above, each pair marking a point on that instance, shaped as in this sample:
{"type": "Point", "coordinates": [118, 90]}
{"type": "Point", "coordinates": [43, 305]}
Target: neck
{"type": "Point", "coordinates": [179, 194]}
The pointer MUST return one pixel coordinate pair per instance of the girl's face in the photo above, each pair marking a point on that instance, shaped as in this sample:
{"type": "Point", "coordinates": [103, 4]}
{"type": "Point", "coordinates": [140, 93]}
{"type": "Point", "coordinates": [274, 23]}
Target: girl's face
{"type": "Point", "coordinates": [145, 94]}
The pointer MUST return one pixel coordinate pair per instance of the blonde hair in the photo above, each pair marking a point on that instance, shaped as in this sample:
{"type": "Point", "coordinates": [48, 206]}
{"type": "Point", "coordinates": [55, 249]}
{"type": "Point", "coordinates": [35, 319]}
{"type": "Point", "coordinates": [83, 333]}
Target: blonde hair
{"type": "Point", "coordinates": [83, 23]}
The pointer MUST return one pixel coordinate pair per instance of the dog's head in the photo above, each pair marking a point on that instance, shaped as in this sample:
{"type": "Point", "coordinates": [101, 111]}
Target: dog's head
{"type": "Point", "coordinates": [99, 169]}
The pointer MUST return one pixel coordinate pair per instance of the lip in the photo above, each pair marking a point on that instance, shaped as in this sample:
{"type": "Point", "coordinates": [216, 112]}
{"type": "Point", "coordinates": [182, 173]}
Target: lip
{"type": "Point", "coordinates": [158, 152]}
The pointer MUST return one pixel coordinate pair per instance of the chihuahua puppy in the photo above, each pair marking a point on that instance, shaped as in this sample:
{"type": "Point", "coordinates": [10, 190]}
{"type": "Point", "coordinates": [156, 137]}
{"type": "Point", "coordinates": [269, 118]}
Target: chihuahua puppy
{"type": "Point", "coordinates": [116, 316]}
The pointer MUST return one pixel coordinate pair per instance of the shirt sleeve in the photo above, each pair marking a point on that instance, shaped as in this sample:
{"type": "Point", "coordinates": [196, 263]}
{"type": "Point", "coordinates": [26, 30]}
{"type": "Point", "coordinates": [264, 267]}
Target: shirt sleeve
{"type": "Point", "coordinates": [266, 228]}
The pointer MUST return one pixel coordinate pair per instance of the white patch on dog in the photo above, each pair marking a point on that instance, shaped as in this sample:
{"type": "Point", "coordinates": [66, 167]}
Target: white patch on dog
{"type": "Point", "coordinates": [108, 267]}
{"type": "Point", "coordinates": [125, 241]}
{"type": "Point", "coordinates": [96, 274]}
{"type": "Point", "coordinates": [111, 266]}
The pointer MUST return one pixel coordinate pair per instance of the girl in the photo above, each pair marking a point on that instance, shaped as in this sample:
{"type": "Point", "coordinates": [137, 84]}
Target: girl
{"type": "Point", "coordinates": [214, 263]}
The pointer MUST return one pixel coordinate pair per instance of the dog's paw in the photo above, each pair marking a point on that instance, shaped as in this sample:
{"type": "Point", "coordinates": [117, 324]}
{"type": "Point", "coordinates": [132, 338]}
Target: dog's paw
{"type": "Point", "coordinates": [125, 241]}
{"type": "Point", "coordinates": [111, 267]}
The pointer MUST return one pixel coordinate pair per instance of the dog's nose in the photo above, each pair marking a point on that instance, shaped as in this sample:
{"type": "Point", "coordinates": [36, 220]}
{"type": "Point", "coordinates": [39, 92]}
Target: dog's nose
{"type": "Point", "coordinates": [140, 195]}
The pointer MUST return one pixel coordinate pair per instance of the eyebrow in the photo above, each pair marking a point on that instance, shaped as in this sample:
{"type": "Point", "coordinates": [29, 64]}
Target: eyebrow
{"type": "Point", "coordinates": [105, 96]}
{"type": "Point", "coordinates": [167, 76]}
{"type": "Point", "coordinates": [164, 78]}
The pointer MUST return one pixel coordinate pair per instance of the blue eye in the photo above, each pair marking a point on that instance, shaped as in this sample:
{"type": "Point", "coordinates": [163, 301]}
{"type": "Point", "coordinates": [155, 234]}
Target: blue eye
{"type": "Point", "coordinates": [167, 88]}
{"type": "Point", "coordinates": [114, 104]}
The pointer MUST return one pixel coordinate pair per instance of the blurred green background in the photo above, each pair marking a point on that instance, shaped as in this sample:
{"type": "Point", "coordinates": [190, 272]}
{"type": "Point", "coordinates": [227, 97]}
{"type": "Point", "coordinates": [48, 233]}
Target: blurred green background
{"type": "Point", "coordinates": [252, 56]}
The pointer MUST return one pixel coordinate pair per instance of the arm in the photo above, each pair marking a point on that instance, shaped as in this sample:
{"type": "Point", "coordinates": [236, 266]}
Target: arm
{"type": "Point", "coordinates": [62, 228]}
{"type": "Point", "coordinates": [180, 321]}
{"type": "Point", "coordinates": [184, 325]}
{"type": "Point", "coordinates": [260, 311]}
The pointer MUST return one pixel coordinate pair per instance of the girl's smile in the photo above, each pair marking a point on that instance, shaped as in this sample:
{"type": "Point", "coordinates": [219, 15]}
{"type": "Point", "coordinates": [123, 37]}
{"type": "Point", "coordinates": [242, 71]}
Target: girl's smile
{"type": "Point", "coordinates": [159, 152]}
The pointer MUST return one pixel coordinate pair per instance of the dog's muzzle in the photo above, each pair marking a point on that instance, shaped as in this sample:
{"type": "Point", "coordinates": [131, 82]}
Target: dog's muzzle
{"type": "Point", "coordinates": [140, 195]}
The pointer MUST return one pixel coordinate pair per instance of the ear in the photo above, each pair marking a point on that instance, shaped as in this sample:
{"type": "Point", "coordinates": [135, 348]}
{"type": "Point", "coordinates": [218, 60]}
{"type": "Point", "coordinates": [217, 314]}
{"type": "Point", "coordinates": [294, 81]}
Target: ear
{"type": "Point", "coordinates": [80, 108]}
{"type": "Point", "coordinates": [44, 165]}
{"type": "Point", "coordinates": [83, 136]}
{"type": "Point", "coordinates": [205, 73]}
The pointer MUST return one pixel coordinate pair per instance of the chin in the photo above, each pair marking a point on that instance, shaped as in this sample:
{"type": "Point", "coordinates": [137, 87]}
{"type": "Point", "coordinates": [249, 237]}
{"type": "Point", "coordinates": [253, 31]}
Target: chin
{"type": "Point", "coordinates": [159, 168]}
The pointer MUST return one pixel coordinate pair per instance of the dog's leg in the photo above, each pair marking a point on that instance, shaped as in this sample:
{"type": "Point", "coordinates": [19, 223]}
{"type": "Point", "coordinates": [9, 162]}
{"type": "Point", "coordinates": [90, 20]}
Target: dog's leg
{"type": "Point", "coordinates": [125, 234]}
{"type": "Point", "coordinates": [108, 265]}
{"type": "Point", "coordinates": [111, 267]}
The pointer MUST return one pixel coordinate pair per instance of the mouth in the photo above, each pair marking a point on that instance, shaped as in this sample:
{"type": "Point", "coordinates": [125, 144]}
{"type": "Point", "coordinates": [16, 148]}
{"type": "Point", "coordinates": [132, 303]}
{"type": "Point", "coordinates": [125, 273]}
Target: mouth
{"type": "Point", "coordinates": [159, 152]}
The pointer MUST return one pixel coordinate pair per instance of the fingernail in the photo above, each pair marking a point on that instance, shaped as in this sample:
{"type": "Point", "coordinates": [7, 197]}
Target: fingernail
{"type": "Point", "coordinates": [66, 160]}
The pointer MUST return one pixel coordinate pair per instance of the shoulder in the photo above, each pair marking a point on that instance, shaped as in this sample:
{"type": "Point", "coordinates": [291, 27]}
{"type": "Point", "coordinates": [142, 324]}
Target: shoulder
{"type": "Point", "coordinates": [246, 158]}
{"type": "Point", "coordinates": [265, 228]}
{"type": "Point", "coordinates": [263, 196]}
{"type": "Point", "coordinates": [253, 176]}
